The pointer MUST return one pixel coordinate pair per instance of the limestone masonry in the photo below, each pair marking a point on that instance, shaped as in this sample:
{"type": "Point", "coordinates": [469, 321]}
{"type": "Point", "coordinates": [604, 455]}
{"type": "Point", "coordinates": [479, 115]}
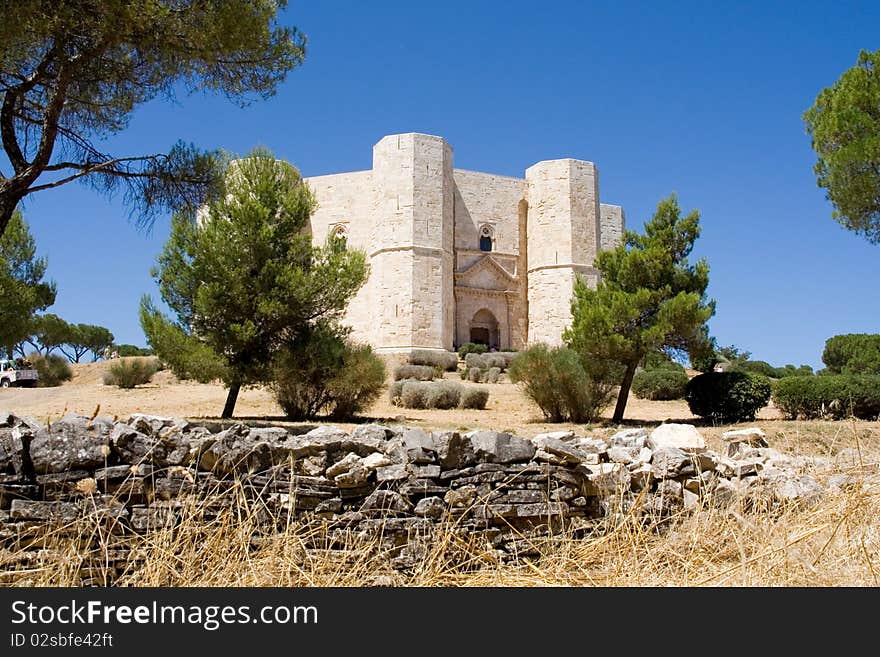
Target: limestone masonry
{"type": "Point", "coordinates": [460, 256]}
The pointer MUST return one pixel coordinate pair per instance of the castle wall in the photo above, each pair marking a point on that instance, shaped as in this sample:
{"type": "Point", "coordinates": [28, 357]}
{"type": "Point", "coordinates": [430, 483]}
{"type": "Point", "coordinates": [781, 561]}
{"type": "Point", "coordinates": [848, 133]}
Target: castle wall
{"type": "Point", "coordinates": [563, 239]}
{"type": "Point", "coordinates": [484, 198]}
{"type": "Point", "coordinates": [347, 200]}
{"type": "Point", "coordinates": [611, 226]}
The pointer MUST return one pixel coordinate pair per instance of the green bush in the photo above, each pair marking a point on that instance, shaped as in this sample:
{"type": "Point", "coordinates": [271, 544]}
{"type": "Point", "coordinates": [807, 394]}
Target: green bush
{"type": "Point", "coordinates": [131, 372]}
{"type": "Point", "coordinates": [125, 350]}
{"type": "Point", "coordinates": [474, 398]}
{"type": "Point", "coordinates": [443, 360]}
{"type": "Point", "coordinates": [853, 353]}
{"type": "Point", "coordinates": [791, 370]}
{"type": "Point", "coordinates": [498, 359]}
{"type": "Point", "coordinates": [52, 370]}
{"type": "Point", "coordinates": [557, 381]}
{"type": "Point", "coordinates": [660, 360]}
{"type": "Point", "coordinates": [417, 372]}
{"type": "Point", "coordinates": [443, 395]}
{"type": "Point", "coordinates": [660, 384]}
{"type": "Point", "coordinates": [414, 394]}
{"type": "Point", "coordinates": [471, 348]}
{"type": "Point", "coordinates": [326, 375]}
{"type": "Point", "coordinates": [725, 397]}
{"type": "Point", "coordinates": [833, 396]}
{"type": "Point", "coordinates": [758, 367]}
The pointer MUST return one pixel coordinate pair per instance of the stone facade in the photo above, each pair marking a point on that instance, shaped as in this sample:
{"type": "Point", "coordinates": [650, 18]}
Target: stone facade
{"type": "Point", "coordinates": [461, 256]}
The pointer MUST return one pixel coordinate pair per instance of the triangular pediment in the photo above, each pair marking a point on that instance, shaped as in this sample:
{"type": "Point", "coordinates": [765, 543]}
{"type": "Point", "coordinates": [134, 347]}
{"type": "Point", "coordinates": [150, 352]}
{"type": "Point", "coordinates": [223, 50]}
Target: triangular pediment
{"type": "Point", "coordinates": [486, 274]}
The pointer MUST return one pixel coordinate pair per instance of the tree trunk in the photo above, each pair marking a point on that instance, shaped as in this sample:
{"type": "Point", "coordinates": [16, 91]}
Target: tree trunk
{"type": "Point", "coordinates": [8, 202]}
{"type": "Point", "coordinates": [231, 398]}
{"type": "Point", "coordinates": [624, 392]}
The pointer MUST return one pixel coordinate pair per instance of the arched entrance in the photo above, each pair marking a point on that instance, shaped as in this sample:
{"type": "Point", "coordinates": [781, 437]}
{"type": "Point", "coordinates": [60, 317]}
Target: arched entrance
{"type": "Point", "coordinates": [484, 329]}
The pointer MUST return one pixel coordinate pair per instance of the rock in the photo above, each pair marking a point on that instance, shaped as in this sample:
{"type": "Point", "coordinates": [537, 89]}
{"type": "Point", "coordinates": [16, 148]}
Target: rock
{"type": "Point", "coordinates": [153, 424]}
{"type": "Point", "coordinates": [621, 454]}
{"type": "Point", "coordinates": [7, 419]}
{"type": "Point", "coordinates": [680, 436]}
{"type": "Point", "coordinates": [641, 477]}
{"type": "Point", "coordinates": [233, 451]}
{"type": "Point", "coordinates": [790, 487]}
{"type": "Point", "coordinates": [752, 436]}
{"type": "Point", "coordinates": [345, 464]}
{"type": "Point", "coordinates": [375, 460]}
{"type": "Point", "coordinates": [134, 447]}
{"type": "Point", "coordinates": [671, 462]}
{"type": "Point", "coordinates": [590, 445]}
{"type": "Point", "coordinates": [604, 478]}
{"type": "Point", "coordinates": [333, 439]}
{"type": "Point", "coordinates": [329, 507]}
{"type": "Point", "coordinates": [496, 447]}
{"type": "Point", "coordinates": [425, 471]}
{"type": "Point", "coordinates": [704, 461]}
{"type": "Point", "coordinates": [629, 438]}
{"type": "Point", "coordinates": [691, 499]}
{"type": "Point", "coordinates": [841, 482]}
{"type": "Point", "coordinates": [72, 443]}
{"type": "Point", "coordinates": [430, 507]}
{"type": "Point", "coordinates": [11, 447]}
{"type": "Point", "coordinates": [454, 450]}
{"type": "Point", "coordinates": [37, 510]}
{"type": "Point", "coordinates": [352, 478]}
{"type": "Point", "coordinates": [741, 450]}
{"type": "Point", "coordinates": [419, 446]}
{"type": "Point", "coordinates": [386, 500]}
{"type": "Point", "coordinates": [547, 457]}
{"type": "Point", "coordinates": [461, 497]}
{"type": "Point", "coordinates": [553, 435]}
{"type": "Point", "coordinates": [564, 451]}
{"type": "Point", "coordinates": [724, 494]}
{"type": "Point", "coordinates": [748, 466]}
{"type": "Point", "coordinates": [848, 458]}
{"type": "Point", "coordinates": [372, 433]}
{"type": "Point", "coordinates": [395, 472]}
{"type": "Point", "coordinates": [312, 466]}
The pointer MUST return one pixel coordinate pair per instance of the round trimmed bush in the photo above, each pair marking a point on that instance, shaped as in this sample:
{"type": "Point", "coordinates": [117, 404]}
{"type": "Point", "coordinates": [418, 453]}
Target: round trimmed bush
{"type": "Point", "coordinates": [416, 372]}
{"type": "Point", "coordinates": [660, 384]}
{"type": "Point", "coordinates": [759, 367]}
{"type": "Point", "coordinates": [475, 374]}
{"type": "Point", "coordinates": [471, 348]}
{"type": "Point", "coordinates": [725, 397]}
{"type": "Point", "coordinates": [442, 360]}
{"type": "Point", "coordinates": [474, 398]}
{"type": "Point", "coordinates": [443, 395]}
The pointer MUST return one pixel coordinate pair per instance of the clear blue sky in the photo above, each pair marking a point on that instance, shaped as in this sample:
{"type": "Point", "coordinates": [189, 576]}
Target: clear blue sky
{"type": "Point", "coordinates": [702, 99]}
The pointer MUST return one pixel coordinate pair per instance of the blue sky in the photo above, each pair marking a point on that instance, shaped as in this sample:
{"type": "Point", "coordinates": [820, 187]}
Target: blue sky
{"type": "Point", "coordinates": [701, 99]}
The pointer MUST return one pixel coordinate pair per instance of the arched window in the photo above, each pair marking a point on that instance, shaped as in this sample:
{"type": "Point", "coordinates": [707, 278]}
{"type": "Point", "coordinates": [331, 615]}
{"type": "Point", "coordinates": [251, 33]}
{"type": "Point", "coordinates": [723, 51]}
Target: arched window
{"type": "Point", "coordinates": [485, 238]}
{"type": "Point", "coordinates": [339, 235]}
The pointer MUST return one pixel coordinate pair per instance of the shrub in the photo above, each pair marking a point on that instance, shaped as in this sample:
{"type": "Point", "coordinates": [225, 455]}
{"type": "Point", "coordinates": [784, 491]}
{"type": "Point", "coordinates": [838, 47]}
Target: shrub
{"type": "Point", "coordinates": [725, 397]}
{"type": "Point", "coordinates": [833, 396]}
{"type": "Point", "coordinates": [501, 360]}
{"type": "Point", "coordinates": [416, 372]}
{"type": "Point", "coordinates": [414, 394]}
{"type": "Point", "coordinates": [660, 360]}
{"type": "Point", "coordinates": [853, 353]}
{"type": "Point", "coordinates": [557, 381]}
{"type": "Point", "coordinates": [758, 367]}
{"type": "Point", "coordinates": [443, 395]}
{"type": "Point", "coordinates": [660, 384]}
{"type": "Point", "coordinates": [131, 372]}
{"type": "Point", "coordinates": [325, 374]}
{"type": "Point", "coordinates": [443, 360]}
{"type": "Point", "coordinates": [124, 350]}
{"type": "Point", "coordinates": [395, 390]}
{"type": "Point", "coordinates": [471, 348]}
{"type": "Point", "coordinates": [492, 375]}
{"type": "Point", "coordinates": [475, 374]}
{"type": "Point", "coordinates": [475, 398]}
{"type": "Point", "coordinates": [52, 370]}
{"type": "Point", "coordinates": [791, 370]}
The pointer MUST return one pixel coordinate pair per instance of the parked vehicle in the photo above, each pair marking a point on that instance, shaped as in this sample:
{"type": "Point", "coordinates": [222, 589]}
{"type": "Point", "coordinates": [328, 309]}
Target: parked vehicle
{"type": "Point", "coordinates": [18, 372]}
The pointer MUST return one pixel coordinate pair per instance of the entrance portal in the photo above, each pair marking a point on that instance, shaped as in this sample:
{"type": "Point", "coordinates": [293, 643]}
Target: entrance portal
{"type": "Point", "coordinates": [484, 329]}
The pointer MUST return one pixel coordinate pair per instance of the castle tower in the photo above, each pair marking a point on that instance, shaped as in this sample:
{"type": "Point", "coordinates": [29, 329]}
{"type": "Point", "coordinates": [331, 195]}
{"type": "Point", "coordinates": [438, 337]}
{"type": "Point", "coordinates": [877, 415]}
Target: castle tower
{"type": "Point", "coordinates": [564, 234]}
{"type": "Point", "coordinates": [411, 244]}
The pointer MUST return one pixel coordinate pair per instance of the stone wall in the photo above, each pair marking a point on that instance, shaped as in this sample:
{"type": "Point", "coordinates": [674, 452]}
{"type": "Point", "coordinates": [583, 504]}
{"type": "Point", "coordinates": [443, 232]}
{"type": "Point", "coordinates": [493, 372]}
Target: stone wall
{"type": "Point", "coordinates": [392, 484]}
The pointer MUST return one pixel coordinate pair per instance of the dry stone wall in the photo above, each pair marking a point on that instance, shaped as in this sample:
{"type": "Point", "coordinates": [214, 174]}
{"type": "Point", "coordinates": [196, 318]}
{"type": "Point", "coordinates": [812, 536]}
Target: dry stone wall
{"type": "Point", "coordinates": [394, 484]}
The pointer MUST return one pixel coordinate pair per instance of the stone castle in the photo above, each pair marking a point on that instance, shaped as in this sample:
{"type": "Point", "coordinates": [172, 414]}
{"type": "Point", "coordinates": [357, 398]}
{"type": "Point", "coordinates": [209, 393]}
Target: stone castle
{"type": "Point", "coordinates": [461, 256]}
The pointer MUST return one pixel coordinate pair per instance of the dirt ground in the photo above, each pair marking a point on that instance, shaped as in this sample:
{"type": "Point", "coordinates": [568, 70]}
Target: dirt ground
{"type": "Point", "coordinates": [508, 409]}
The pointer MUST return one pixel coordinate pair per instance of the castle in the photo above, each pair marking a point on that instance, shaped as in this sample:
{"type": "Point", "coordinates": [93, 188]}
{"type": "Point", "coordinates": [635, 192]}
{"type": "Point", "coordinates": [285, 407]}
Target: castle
{"type": "Point", "coordinates": [460, 256]}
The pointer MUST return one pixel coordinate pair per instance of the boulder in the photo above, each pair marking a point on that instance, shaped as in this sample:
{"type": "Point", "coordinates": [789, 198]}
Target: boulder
{"type": "Point", "coordinates": [386, 500]}
{"type": "Point", "coordinates": [430, 507]}
{"type": "Point", "coordinates": [72, 443]}
{"type": "Point", "coordinates": [233, 450]}
{"type": "Point", "coordinates": [497, 447]}
{"type": "Point", "coordinates": [671, 462]}
{"type": "Point", "coordinates": [454, 450]}
{"type": "Point", "coordinates": [752, 436]}
{"type": "Point", "coordinates": [680, 436]}
{"type": "Point", "coordinates": [629, 438]}
{"type": "Point", "coordinates": [564, 451]}
{"type": "Point", "coordinates": [345, 464]}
